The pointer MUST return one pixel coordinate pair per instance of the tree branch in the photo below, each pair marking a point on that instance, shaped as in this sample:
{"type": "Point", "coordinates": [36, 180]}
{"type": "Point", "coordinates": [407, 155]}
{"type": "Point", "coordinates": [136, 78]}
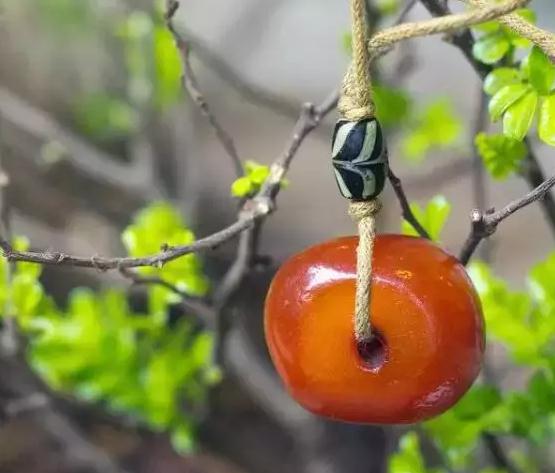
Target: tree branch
{"type": "Point", "coordinates": [190, 84]}
{"type": "Point", "coordinates": [407, 213]}
{"type": "Point", "coordinates": [156, 260]}
{"type": "Point", "coordinates": [30, 398]}
{"type": "Point", "coordinates": [98, 165]}
{"type": "Point", "coordinates": [249, 91]}
{"type": "Point", "coordinates": [193, 305]}
{"type": "Point", "coordinates": [485, 224]}
{"type": "Point", "coordinates": [254, 209]}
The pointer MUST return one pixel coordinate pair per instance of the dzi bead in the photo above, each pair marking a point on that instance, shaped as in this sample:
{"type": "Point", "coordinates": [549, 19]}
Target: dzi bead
{"type": "Point", "coordinates": [359, 156]}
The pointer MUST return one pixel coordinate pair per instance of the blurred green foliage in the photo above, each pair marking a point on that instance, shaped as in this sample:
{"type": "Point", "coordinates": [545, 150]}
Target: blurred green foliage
{"type": "Point", "coordinates": [524, 323]}
{"type": "Point", "coordinates": [159, 224]}
{"type": "Point", "coordinates": [436, 126]}
{"type": "Point", "coordinates": [501, 155]}
{"type": "Point", "coordinates": [147, 67]}
{"type": "Point", "coordinates": [432, 217]}
{"type": "Point", "coordinates": [393, 105]}
{"type": "Point", "coordinates": [138, 364]}
{"type": "Point", "coordinates": [519, 95]}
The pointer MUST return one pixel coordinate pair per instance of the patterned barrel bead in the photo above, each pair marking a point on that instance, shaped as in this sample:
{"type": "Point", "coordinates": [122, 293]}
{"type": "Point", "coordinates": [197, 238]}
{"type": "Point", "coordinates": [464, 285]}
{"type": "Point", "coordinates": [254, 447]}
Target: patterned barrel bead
{"type": "Point", "coordinates": [359, 156]}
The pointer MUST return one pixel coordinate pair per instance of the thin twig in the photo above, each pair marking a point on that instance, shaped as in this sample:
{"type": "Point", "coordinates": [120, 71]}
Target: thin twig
{"type": "Point", "coordinates": [533, 174]}
{"type": "Point", "coordinates": [462, 39]}
{"type": "Point", "coordinates": [402, 16]}
{"type": "Point", "coordinates": [156, 260]}
{"type": "Point", "coordinates": [9, 337]}
{"type": "Point", "coordinates": [190, 83]}
{"type": "Point", "coordinates": [98, 166]}
{"type": "Point", "coordinates": [196, 306]}
{"type": "Point", "coordinates": [498, 453]}
{"type": "Point", "coordinates": [478, 171]}
{"type": "Point", "coordinates": [407, 213]}
{"type": "Point", "coordinates": [231, 282]}
{"type": "Point", "coordinates": [254, 209]}
{"type": "Point", "coordinates": [250, 92]}
{"type": "Point", "coordinates": [485, 224]}
{"type": "Point", "coordinates": [29, 396]}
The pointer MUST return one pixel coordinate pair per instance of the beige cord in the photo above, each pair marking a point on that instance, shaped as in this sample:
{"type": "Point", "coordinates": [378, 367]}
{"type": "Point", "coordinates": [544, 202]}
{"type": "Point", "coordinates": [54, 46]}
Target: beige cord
{"type": "Point", "coordinates": [363, 213]}
{"type": "Point", "coordinates": [356, 104]}
{"type": "Point", "coordinates": [541, 38]}
{"type": "Point", "coordinates": [386, 38]}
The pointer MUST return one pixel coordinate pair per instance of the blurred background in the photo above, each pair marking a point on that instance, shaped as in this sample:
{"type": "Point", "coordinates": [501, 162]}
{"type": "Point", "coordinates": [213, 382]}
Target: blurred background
{"type": "Point", "coordinates": [94, 126]}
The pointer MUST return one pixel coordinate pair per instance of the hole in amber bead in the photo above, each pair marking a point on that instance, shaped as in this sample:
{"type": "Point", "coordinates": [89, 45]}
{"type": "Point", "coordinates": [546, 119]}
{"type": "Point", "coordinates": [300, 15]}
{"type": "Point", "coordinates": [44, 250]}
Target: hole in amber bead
{"type": "Point", "coordinates": [373, 351]}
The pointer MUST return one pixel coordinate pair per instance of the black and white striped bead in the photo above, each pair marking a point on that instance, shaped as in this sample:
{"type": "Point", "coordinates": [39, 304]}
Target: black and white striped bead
{"type": "Point", "coordinates": [359, 156]}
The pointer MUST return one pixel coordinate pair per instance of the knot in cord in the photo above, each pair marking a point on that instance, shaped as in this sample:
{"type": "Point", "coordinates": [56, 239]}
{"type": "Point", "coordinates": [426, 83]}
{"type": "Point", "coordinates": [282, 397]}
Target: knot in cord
{"type": "Point", "coordinates": [360, 209]}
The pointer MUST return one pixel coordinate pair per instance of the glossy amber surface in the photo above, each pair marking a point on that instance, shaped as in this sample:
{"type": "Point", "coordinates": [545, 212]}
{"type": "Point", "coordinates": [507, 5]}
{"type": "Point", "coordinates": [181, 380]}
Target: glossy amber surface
{"type": "Point", "coordinates": [423, 306]}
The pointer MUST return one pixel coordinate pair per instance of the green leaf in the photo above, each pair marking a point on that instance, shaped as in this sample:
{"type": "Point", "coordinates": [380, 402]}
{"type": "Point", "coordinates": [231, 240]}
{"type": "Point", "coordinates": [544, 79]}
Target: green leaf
{"type": "Point", "coordinates": [499, 78]}
{"type": "Point", "coordinates": [546, 121]}
{"type": "Point", "coordinates": [541, 72]}
{"type": "Point", "coordinates": [477, 402]}
{"type": "Point", "coordinates": [432, 218]}
{"type": "Point", "coordinates": [487, 27]}
{"type": "Point", "coordinates": [409, 458]}
{"type": "Point", "coordinates": [491, 48]}
{"type": "Point", "coordinates": [105, 117]}
{"type": "Point", "coordinates": [167, 65]}
{"type": "Point", "coordinates": [436, 126]}
{"type": "Point", "coordinates": [508, 316]}
{"type": "Point", "coordinates": [519, 116]}
{"type": "Point", "coordinates": [392, 105]}
{"type": "Point", "coordinates": [158, 225]}
{"type": "Point", "coordinates": [387, 7]}
{"type": "Point", "coordinates": [540, 389]}
{"type": "Point", "coordinates": [257, 173]}
{"type": "Point", "coordinates": [527, 14]}
{"type": "Point", "coordinates": [242, 187]}
{"type": "Point", "coordinates": [501, 155]}
{"type": "Point", "coordinates": [182, 439]}
{"type": "Point", "coordinates": [504, 98]}
{"type": "Point", "coordinates": [26, 295]}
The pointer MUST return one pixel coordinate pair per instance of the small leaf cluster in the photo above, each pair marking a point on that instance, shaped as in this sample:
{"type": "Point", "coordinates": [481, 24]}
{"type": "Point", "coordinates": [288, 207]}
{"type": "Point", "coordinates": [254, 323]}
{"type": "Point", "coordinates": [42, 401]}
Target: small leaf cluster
{"type": "Point", "coordinates": [520, 95]}
{"type": "Point", "coordinates": [436, 126]}
{"type": "Point", "coordinates": [137, 363]}
{"type": "Point", "coordinates": [255, 176]}
{"type": "Point", "coordinates": [498, 41]}
{"type": "Point", "coordinates": [501, 155]}
{"type": "Point", "coordinates": [156, 226]}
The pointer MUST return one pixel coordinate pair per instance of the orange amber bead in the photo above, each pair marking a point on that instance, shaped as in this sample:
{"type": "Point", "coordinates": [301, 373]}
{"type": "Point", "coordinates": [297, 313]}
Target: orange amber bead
{"type": "Point", "coordinates": [424, 310]}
